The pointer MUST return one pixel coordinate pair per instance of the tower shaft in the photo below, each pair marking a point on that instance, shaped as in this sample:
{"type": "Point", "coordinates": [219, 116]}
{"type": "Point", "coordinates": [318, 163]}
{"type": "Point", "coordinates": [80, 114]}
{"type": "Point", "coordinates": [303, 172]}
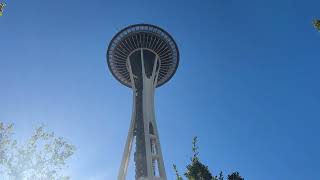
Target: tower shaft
{"type": "Point", "coordinates": [143, 65]}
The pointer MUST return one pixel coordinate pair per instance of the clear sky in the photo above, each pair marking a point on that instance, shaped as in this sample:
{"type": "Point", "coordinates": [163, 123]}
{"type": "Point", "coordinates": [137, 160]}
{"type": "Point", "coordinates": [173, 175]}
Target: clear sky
{"type": "Point", "coordinates": [247, 84]}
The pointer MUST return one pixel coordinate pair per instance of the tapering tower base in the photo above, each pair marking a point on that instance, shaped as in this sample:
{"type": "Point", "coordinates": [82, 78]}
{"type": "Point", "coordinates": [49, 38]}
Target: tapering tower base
{"type": "Point", "coordinates": [143, 66]}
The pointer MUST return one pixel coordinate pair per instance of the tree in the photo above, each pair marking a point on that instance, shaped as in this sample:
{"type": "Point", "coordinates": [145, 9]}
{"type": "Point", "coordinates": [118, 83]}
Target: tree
{"type": "Point", "coordinates": [42, 156]}
{"type": "Point", "coordinates": [316, 24]}
{"type": "Point", "coordinates": [221, 177]}
{"type": "Point", "coordinates": [177, 172]}
{"type": "Point", "coordinates": [195, 170]}
{"type": "Point", "coordinates": [235, 176]}
{"type": "Point", "coordinates": [2, 5]}
{"type": "Point", "coordinates": [198, 171]}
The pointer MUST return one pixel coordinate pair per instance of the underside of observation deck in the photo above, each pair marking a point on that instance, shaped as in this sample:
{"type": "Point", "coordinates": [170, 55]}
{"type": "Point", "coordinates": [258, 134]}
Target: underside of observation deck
{"type": "Point", "coordinates": [140, 36]}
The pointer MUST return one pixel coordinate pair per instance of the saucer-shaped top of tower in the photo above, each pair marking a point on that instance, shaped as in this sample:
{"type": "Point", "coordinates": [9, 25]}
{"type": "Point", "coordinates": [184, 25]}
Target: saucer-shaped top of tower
{"type": "Point", "coordinates": [142, 36]}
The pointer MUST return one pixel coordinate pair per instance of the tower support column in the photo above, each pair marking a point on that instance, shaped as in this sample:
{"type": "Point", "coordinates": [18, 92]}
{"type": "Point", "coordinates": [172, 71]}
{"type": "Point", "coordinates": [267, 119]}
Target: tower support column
{"type": "Point", "coordinates": [148, 156]}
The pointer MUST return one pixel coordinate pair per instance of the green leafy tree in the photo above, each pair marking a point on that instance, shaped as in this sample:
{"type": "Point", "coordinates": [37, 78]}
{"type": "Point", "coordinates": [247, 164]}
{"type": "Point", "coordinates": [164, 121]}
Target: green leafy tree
{"type": "Point", "coordinates": [235, 176]}
{"type": "Point", "coordinates": [177, 172]}
{"type": "Point", "coordinates": [220, 177]}
{"type": "Point", "coordinates": [42, 156]}
{"type": "Point", "coordinates": [195, 170]}
{"type": "Point", "coordinates": [316, 24]}
{"type": "Point", "coordinates": [198, 171]}
{"type": "Point", "coordinates": [2, 5]}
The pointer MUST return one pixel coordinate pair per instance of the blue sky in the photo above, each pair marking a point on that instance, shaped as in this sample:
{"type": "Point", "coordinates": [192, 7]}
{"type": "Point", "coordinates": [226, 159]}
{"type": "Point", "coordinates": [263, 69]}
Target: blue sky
{"type": "Point", "coordinates": [247, 84]}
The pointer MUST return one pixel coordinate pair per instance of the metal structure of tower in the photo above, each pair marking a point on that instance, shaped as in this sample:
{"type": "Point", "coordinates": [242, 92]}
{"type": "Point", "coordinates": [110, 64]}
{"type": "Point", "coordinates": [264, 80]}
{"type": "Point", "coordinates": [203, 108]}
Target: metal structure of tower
{"type": "Point", "coordinates": [143, 57]}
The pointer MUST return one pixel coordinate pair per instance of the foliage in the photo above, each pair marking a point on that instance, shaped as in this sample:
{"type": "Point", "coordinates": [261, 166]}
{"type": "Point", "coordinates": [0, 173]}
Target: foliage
{"type": "Point", "coordinates": [316, 24]}
{"type": "Point", "coordinates": [198, 171]}
{"type": "Point", "coordinates": [177, 172]}
{"type": "Point", "coordinates": [235, 176]}
{"type": "Point", "coordinates": [2, 5]}
{"type": "Point", "coordinates": [42, 156]}
{"type": "Point", "coordinates": [220, 177]}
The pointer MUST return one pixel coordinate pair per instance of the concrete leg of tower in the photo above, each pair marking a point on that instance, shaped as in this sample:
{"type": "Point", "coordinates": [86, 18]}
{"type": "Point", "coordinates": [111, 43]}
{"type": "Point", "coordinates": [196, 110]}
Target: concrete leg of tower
{"type": "Point", "coordinates": [128, 147]}
{"type": "Point", "coordinates": [154, 155]}
{"type": "Point", "coordinates": [152, 158]}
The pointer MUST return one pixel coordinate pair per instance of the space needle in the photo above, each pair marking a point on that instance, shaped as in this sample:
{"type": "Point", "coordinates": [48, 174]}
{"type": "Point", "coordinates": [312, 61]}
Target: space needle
{"type": "Point", "coordinates": [143, 57]}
